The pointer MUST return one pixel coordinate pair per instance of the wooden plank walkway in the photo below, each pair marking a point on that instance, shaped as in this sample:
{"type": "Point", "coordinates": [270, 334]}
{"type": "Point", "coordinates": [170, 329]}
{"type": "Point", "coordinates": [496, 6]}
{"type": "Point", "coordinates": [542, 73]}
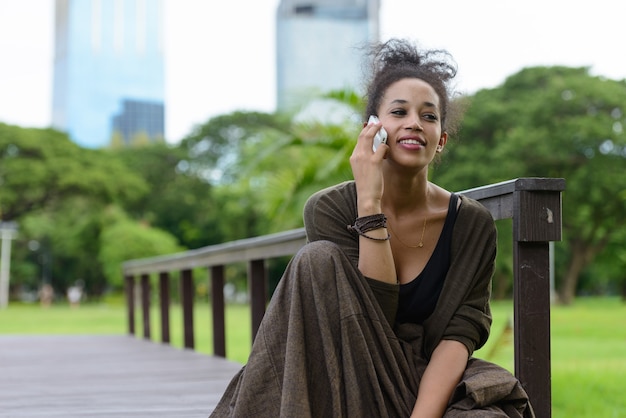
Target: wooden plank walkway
{"type": "Point", "coordinates": [107, 376]}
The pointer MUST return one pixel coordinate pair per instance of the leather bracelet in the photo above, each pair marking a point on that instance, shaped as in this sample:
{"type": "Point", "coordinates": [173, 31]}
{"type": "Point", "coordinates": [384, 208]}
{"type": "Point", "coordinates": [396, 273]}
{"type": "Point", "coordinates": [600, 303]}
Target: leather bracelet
{"type": "Point", "coordinates": [364, 224]}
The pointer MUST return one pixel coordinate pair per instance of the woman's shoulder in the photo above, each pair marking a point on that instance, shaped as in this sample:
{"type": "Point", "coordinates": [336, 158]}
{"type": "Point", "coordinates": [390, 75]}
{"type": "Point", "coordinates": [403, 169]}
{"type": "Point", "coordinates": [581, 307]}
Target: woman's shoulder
{"type": "Point", "coordinates": [473, 207]}
{"type": "Point", "coordinates": [328, 211]}
{"type": "Point", "coordinates": [472, 215]}
{"type": "Point", "coordinates": [342, 192]}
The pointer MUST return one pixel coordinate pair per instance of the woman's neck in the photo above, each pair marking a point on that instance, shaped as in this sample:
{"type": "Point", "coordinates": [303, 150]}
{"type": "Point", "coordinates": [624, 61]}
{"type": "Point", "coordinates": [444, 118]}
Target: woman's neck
{"type": "Point", "coordinates": [404, 195]}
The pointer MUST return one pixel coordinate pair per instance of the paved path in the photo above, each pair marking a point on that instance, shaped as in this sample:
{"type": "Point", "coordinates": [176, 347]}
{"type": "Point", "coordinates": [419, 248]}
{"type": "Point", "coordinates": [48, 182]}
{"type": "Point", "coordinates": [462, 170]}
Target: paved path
{"type": "Point", "coordinates": [107, 376]}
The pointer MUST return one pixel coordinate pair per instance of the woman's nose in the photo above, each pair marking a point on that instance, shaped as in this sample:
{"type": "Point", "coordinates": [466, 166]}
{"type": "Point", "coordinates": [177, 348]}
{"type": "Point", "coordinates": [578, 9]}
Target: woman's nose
{"type": "Point", "coordinates": [415, 124]}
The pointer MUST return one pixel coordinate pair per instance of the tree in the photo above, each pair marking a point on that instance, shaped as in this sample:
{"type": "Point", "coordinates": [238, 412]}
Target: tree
{"type": "Point", "coordinates": [57, 190]}
{"type": "Point", "coordinates": [41, 167]}
{"type": "Point", "coordinates": [552, 122]}
{"type": "Point", "coordinates": [312, 152]}
{"type": "Point", "coordinates": [64, 241]}
{"type": "Point", "coordinates": [228, 152]}
{"type": "Point", "coordinates": [214, 149]}
{"type": "Point", "coordinates": [123, 239]}
{"type": "Point", "coordinates": [183, 201]}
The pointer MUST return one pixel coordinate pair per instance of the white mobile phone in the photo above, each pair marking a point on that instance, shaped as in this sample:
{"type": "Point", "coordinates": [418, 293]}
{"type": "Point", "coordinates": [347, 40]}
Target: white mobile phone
{"type": "Point", "coordinates": [381, 135]}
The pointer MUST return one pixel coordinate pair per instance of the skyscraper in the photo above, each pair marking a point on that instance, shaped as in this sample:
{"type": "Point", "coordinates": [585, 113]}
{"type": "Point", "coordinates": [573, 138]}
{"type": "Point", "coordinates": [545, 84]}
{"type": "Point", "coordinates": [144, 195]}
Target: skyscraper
{"type": "Point", "coordinates": [317, 46]}
{"type": "Point", "coordinates": [108, 70]}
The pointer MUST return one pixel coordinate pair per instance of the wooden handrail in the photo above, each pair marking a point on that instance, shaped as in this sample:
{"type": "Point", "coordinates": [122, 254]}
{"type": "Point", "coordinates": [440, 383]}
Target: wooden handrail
{"type": "Point", "coordinates": [263, 247]}
{"type": "Point", "coordinates": [534, 205]}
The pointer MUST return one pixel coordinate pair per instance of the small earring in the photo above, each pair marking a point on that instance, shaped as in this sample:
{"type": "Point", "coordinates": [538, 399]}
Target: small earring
{"type": "Point", "coordinates": [439, 148]}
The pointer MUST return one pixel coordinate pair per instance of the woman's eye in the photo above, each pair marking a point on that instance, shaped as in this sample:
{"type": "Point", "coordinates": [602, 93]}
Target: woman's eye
{"type": "Point", "coordinates": [430, 117]}
{"type": "Point", "coordinates": [398, 112]}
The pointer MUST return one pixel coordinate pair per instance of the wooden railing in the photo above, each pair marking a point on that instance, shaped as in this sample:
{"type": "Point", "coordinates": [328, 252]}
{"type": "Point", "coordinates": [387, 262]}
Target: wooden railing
{"type": "Point", "coordinates": [534, 205]}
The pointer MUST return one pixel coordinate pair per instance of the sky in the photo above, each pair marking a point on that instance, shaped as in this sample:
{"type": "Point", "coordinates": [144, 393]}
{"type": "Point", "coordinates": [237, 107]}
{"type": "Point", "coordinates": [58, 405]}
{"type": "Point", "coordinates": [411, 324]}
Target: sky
{"type": "Point", "coordinates": [220, 55]}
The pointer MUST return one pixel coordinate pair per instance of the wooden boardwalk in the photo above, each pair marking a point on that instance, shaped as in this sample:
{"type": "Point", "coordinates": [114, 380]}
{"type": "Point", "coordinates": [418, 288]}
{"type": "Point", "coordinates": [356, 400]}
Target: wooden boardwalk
{"type": "Point", "coordinates": [107, 376]}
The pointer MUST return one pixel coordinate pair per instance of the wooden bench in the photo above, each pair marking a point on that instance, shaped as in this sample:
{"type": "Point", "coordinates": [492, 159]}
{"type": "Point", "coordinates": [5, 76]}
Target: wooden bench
{"type": "Point", "coordinates": [534, 205]}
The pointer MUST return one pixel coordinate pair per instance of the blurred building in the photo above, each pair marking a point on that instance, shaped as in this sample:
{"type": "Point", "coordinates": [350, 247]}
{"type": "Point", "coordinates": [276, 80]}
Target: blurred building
{"type": "Point", "coordinates": [109, 71]}
{"type": "Point", "coordinates": [318, 46]}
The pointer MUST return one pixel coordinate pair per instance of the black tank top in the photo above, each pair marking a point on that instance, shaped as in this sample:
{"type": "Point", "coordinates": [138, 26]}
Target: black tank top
{"type": "Point", "coordinates": [419, 296]}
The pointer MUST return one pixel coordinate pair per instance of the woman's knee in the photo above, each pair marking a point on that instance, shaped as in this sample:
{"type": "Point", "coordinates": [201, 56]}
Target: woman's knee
{"type": "Point", "coordinates": [321, 247]}
{"type": "Point", "coordinates": [321, 260]}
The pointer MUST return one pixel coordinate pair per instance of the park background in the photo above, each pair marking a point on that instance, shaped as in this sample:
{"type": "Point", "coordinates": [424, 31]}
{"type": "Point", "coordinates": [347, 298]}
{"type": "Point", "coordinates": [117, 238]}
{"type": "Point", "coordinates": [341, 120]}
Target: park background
{"type": "Point", "coordinates": [242, 173]}
{"type": "Point", "coordinates": [246, 174]}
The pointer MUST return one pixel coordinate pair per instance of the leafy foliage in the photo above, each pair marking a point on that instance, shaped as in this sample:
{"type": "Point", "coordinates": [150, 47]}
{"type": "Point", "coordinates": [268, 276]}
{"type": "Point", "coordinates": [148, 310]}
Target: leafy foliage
{"type": "Point", "coordinates": [312, 153]}
{"type": "Point", "coordinates": [123, 239]}
{"type": "Point", "coordinates": [58, 192]}
{"type": "Point", "coordinates": [552, 122]}
{"type": "Point", "coordinates": [42, 167]}
{"type": "Point", "coordinates": [214, 149]}
{"type": "Point", "coordinates": [179, 201]}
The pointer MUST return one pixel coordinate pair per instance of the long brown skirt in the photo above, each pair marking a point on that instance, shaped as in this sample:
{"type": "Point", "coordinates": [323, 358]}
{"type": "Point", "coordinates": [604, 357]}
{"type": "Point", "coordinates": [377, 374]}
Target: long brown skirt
{"type": "Point", "coordinates": [325, 349]}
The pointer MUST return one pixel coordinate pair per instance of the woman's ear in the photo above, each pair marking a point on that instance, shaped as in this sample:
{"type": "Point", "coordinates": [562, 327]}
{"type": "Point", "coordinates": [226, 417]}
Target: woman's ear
{"type": "Point", "coordinates": [442, 141]}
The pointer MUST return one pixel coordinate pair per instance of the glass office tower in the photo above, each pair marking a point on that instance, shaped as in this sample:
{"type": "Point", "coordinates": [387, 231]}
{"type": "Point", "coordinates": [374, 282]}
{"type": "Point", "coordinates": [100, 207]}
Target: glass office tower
{"type": "Point", "coordinates": [109, 70]}
{"type": "Point", "coordinates": [318, 46]}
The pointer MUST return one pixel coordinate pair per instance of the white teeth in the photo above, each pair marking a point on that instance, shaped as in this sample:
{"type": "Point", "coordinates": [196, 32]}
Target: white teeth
{"type": "Point", "coordinates": [411, 141]}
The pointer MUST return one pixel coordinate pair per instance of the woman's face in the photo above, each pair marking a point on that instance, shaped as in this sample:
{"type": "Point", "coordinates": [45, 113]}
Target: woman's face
{"type": "Point", "coordinates": [410, 113]}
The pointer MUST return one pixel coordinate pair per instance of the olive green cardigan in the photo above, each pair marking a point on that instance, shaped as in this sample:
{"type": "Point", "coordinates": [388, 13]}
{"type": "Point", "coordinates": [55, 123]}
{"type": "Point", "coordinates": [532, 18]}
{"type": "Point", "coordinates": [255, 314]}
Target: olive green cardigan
{"type": "Point", "coordinates": [462, 312]}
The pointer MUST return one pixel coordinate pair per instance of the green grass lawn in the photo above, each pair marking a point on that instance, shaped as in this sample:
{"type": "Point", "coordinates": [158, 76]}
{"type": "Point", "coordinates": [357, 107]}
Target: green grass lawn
{"type": "Point", "coordinates": [588, 343]}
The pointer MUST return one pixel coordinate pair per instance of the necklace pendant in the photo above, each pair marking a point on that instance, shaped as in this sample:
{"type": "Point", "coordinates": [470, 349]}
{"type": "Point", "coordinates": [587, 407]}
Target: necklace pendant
{"type": "Point", "coordinates": [420, 245]}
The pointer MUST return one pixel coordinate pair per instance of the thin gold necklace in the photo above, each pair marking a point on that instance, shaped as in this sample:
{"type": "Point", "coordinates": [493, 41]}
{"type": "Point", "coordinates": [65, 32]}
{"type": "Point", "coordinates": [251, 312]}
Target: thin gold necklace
{"type": "Point", "coordinates": [421, 243]}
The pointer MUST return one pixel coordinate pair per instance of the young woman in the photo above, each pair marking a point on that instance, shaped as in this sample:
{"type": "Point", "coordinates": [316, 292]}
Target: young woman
{"type": "Point", "coordinates": [379, 314]}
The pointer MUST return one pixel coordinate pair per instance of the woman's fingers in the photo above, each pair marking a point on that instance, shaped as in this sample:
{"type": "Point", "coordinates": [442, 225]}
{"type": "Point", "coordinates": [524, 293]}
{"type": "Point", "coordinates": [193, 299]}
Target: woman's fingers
{"type": "Point", "coordinates": [366, 137]}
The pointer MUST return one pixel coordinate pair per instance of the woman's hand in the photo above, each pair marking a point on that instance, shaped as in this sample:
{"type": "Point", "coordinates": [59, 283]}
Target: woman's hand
{"type": "Point", "coordinates": [367, 170]}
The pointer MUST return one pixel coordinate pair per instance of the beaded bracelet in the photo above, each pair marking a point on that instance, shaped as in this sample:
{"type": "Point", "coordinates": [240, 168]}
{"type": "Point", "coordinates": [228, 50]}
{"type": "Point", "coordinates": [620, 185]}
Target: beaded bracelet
{"type": "Point", "coordinates": [365, 224]}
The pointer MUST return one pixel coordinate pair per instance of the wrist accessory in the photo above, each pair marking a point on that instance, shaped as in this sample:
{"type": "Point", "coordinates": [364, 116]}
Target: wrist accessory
{"type": "Point", "coordinates": [364, 224]}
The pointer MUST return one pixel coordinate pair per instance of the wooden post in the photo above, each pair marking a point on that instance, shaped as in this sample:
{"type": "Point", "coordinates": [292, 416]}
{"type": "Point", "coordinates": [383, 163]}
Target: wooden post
{"type": "Point", "coordinates": [257, 282]}
{"type": "Point", "coordinates": [536, 222]}
{"type": "Point", "coordinates": [186, 293]}
{"type": "Point", "coordinates": [130, 303]}
{"type": "Point", "coordinates": [217, 303]}
{"type": "Point", "coordinates": [164, 299]}
{"type": "Point", "coordinates": [8, 231]}
{"type": "Point", "coordinates": [145, 304]}
{"type": "Point", "coordinates": [532, 323]}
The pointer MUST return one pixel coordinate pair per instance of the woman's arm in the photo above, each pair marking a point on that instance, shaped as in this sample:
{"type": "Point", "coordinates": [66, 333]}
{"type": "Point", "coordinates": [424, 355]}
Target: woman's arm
{"type": "Point", "coordinates": [442, 374]}
{"type": "Point", "coordinates": [465, 316]}
{"type": "Point", "coordinates": [375, 256]}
